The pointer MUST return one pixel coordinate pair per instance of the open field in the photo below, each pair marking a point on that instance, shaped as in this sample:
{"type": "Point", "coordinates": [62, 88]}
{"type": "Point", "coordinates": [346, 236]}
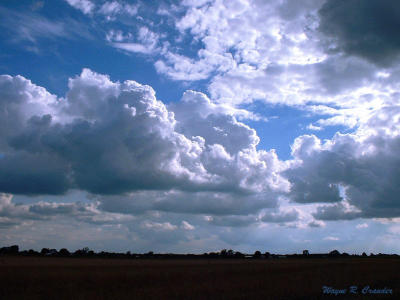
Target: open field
{"type": "Point", "coordinates": [94, 278]}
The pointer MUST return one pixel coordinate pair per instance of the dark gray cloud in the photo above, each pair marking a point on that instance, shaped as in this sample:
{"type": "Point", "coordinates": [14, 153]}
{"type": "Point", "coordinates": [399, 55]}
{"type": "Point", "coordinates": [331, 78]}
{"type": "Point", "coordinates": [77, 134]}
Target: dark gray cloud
{"type": "Point", "coordinates": [368, 29]}
{"type": "Point", "coordinates": [33, 174]}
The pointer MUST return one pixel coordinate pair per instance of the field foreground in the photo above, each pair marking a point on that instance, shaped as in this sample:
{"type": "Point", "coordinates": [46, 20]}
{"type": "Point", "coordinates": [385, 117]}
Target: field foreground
{"type": "Point", "coordinates": [94, 278]}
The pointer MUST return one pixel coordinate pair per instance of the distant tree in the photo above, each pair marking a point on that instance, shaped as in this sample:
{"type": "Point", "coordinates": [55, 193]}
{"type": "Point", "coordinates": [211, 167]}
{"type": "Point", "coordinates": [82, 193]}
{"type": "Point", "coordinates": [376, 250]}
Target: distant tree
{"type": "Point", "coordinates": [82, 252]}
{"type": "Point", "coordinates": [64, 252]}
{"type": "Point", "coordinates": [14, 249]}
{"type": "Point", "coordinates": [32, 252]}
{"type": "Point", "coordinates": [334, 253]}
{"type": "Point", "coordinates": [267, 254]}
{"type": "Point", "coordinates": [53, 252]}
{"type": "Point", "coordinates": [257, 254]}
{"type": "Point", "coordinates": [306, 253]}
{"type": "Point", "coordinates": [223, 253]}
{"type": "Point", "coordinates": [344, 254]}
{"type": "Point", "coordinates": [371, 254]}
{"type": "Point", "coordinates": [149, 254]}
{"type": "Point", "coordinates": [230, 253]}
{"type": "Point", "coordinates": [239, 254]}
{"type": "Point", "coordinates": [44, 251]}
{"type": "Point", "coordinates": [364, 254]}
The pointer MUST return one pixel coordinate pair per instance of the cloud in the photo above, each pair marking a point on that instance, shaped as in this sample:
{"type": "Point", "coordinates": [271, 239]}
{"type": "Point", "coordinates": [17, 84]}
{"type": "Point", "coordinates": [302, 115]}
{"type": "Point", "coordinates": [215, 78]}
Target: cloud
{"type": "Point", "coordinates": [187, 226]}
{"type": "Point", "coordinates": [331, 238]}
{"type": "Point", "coordinates": [117, 36]}
{"type": "Point", "coordinates": [349, 28]}
{"type": "Point", "coordinates": [31, 28]}
{"type": "Point", "coordinates": [191, 172]}
{"type": "Point", "coordinates": [109, 9]}
{"type": "Point", "coordinates": [7, 223]}
{"type": "Point", "coordinates": [14, 214]}
{"type": "Point", "coordinates": [133, 47]}
{"type": "Point", "coordinates": [33, 174]}
{"type": "Point", "coordinates": [316, 224]}
{"type": "Point", "coordinates": [180, 67]}
{"type": "Point", "coordinates": [362, 225]}
{"type": "Point", "coordinates": [272, 56]}
{"type": "Point", "coordinates": [112, 8]}
{"type": "Point", "coordinates": [232, 221]}
{"type": "Point", "coordinates": [281, 216]}
{"type": "Point", "coordinates": [210, 203]}
{"type": "Point", "coordinates": [146, 41]}
{"type": "Point", "coordinates": [86, 6]}
{"type": "Point", "coordinates": [113, 138]}
{"type": "Point", "coordinates": [198, 116]}
{"type": "Point", "coordinates": [336, 212]}
{"type": "Point", "coordinates": [20, 101]}
{"type": "Point", "coordinates": [159, 226]}
{"type": "Point", "coordinates": [357, 173]}
{"type": "Point", "coordinates": [337, 74]}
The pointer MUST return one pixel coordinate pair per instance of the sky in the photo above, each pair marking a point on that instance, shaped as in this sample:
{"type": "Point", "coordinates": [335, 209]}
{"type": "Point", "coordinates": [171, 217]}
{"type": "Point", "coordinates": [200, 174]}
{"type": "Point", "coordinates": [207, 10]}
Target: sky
{"type": "Point", "coordinates": [195, 126]}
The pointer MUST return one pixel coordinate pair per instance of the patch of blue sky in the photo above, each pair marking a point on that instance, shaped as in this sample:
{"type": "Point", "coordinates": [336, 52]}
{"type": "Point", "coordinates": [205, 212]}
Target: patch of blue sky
{"type": "Point", "coordinates": [283, 125]}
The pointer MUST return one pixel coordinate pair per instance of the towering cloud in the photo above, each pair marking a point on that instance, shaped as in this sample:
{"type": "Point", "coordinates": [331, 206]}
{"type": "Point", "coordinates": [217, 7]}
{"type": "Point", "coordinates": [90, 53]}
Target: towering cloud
{"type": "Point", "coordinates": [112, 138]}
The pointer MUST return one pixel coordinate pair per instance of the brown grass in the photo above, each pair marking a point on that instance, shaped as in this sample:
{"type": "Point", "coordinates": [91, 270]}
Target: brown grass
{"type": "Point", "coordinates": [93, 278]}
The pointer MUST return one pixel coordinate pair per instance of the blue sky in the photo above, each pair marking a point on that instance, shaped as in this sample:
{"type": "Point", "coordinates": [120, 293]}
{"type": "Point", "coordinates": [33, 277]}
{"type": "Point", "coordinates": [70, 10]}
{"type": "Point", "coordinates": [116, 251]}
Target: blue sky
{"type": "Point", "coordinates": [193, 126]}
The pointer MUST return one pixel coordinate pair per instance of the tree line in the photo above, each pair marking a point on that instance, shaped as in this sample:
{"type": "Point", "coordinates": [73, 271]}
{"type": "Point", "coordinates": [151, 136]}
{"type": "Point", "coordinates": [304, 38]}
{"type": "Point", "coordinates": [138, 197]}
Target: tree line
{"type": "Point", "coordinates": [224, 253]}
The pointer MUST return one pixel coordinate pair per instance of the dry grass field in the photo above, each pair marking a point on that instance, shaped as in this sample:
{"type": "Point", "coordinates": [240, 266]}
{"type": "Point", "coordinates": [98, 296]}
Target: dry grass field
{"type": "Point", "coordinates": [94, 278]}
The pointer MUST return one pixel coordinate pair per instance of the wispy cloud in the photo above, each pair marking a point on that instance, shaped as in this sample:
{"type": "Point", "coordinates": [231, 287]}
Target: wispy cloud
{"type": "Point", "coordinates": [133, 47]}
{"type": "Point", "coordinates": [31, 27]}
{"type": "Point", "coordinates": [331, 238]}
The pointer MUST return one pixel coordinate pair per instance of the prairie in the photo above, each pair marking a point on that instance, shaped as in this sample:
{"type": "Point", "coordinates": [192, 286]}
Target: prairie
{"type": "Point", "coordinates": [96, 278]}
